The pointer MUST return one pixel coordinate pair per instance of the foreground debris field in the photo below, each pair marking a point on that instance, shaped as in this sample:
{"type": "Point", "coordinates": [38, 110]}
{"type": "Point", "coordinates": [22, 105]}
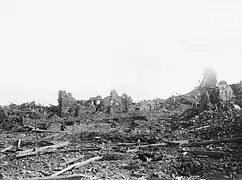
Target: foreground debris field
{"type": "Point", "coordinates": [170, 140]}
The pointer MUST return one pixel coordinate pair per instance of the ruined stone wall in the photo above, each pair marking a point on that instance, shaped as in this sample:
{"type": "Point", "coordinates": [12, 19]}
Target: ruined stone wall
{"type": "Point", "coordinates": [237, 90]}
{"type": "Point", "coordinates": [2, 115]}
{"type": "Point", "coordinates": [120, 103]}
{"type": "Point", "coordinates": [67, 104]}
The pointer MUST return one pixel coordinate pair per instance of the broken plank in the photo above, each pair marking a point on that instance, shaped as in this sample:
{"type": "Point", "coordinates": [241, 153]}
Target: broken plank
{"type": "Point", "coordinates": [39, 153]}
{"type": "Point", "coordinates": [78, 150]}
{"type": "Point", "coordinates": [70, 177]}
{"type": "Point", "coordinates": [52, 136]}
{"type": "Point", "coordinates": [180, 142]}
{"type": "Point", "coordinates": [153, 145]}
{"type": "Point", "coordinates": [47, 131]}
{"type": "Point", "coordinates": [19, 144]}
{"type": "Point", "coordinates": [128, 144]}
{"type": "Point", "coordinates": [77, 165]}
{"type": "Point", "coordinates": [165, 143]}
{"type": "Point", "coordinates": [230, 140]}
{"type": "Point", "coordinates": [199, 128]}
{"type": "Point", "coordinates": [37, 130]}
{"type": "Point", "coordinates": [38, 150]}
{"type": "Point", "coordinates": [214, 154]}
{"type": "Point", "coordinates": [6, 149]}
{"type": "Point", "coordinates": [72, 160]}
{"type": "Point", "coordinates": [3, 156]}
{"type": "Point", "coordinates": [132, 150]}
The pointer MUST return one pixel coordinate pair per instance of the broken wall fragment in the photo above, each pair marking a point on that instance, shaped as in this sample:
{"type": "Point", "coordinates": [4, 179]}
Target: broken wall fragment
{"type": "Point", "coordinates": [67, 104]}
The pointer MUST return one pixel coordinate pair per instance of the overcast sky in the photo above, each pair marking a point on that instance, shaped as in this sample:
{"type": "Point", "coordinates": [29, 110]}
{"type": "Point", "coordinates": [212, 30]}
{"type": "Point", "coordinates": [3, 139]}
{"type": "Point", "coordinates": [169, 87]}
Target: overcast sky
{"type": "Point", "coordinates": [148, 49]}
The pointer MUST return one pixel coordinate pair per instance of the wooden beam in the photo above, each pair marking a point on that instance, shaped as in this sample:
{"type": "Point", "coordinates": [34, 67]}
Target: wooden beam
{"type": "Point", "coordinates": [72, 160]}
{"type": "Point", "coordinates": [40, 150]}
{"type": "Point", "coordinates": [3, 156]}
{"type": "Point", "coordinates": [230, 140]}
{"type": "Point", "coordinates": [6, 149]}
{"type": "Point", "coordinates": [214, 154]}
{"type": "Point", "coordinates": [70, 177]}
{"type": "Point", "coordinates": [153, 145]}
{"type": "Point", "coordinates": [77, 165]}
{"type": "Point", "coordinates": [47, 131]}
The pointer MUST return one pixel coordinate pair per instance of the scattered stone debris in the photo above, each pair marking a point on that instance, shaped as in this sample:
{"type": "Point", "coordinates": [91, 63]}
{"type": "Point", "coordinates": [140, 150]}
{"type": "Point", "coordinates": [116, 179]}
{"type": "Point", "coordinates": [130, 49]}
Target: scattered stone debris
{"type": "Point", "coordinates": [115, 138]}
{"type": "Point", "coordinates": [54, 123]}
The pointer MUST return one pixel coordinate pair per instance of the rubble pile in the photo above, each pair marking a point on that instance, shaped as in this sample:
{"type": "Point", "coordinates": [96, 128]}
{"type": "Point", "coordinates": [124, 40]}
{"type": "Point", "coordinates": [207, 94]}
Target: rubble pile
{"type": "Point", "coordinates": [219, 121]}
{"type": "Point", "coordinates": [152, 106]}
{"type": "Point", "coordinates": [219, 118]}
{"type": "Point", "coordinates": [29, 110]}
{"type": "Point", "coordinates": [118, 139]}
{"type": "Point", "coordinates": [54, 123]}
{"type": "Point", "coordinates": [12, 123]}
{"type": "Point", "coordinates": [15, 116]}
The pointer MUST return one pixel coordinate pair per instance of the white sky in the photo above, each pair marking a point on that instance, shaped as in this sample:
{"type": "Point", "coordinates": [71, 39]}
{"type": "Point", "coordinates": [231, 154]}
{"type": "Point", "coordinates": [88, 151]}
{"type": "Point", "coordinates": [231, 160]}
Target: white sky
{"type": "Point", "coordinates": [147, 49]}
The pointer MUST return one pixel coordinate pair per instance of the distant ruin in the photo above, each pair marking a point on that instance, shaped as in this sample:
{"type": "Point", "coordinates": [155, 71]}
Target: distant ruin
{"type": "Point", "coordinates": [69, 106]}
